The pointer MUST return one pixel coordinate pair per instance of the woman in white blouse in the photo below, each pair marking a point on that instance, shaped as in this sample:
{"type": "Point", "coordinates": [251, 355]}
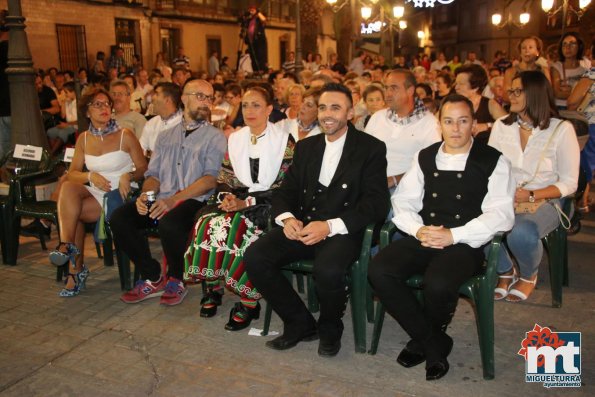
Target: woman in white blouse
{"type": "Point", "coordinates": [544, 153]}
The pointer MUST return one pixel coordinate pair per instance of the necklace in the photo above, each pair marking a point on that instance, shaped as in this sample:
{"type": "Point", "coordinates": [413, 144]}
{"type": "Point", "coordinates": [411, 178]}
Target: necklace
{"type": "Point", "coordinates": [526, 125]}
{"type": "Point", "coordinates": [254, 139]}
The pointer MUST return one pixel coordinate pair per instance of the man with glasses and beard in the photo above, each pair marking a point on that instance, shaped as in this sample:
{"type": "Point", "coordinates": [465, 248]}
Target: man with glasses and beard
{"type": "Point", "coordinates": [182, 172]}
{"type": "Point", "coordinates": [334, 188]}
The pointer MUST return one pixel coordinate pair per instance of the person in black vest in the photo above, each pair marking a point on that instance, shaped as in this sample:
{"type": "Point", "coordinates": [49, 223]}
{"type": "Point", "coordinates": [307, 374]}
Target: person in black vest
{"type": "Point", "coordinates": [334, 188]}
{"type": "Point", "coordinates": [451, 202]}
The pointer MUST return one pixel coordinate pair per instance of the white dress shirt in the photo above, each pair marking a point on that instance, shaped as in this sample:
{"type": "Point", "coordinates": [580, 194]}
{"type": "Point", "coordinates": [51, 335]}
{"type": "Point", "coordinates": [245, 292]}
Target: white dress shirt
{"type": "Point", "coordinates": [497, 206]}
{"type": "Point", "coordinates": [402, 141]}
{"type": "Point", "coordinates": [330, 162]}
{"type": "Point", "coordinates": [155, 126]}
{"type": "Point", "coordinates": [560, 164]}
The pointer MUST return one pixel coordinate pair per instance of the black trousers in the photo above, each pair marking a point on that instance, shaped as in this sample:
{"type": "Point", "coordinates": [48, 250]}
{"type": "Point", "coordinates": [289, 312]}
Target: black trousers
{"type": "Point", "coordinates": [332, 258]}
{"type": "Point", "coordinates": [174, 231]}
{"type": "Point", "coordinates": [444, 272]}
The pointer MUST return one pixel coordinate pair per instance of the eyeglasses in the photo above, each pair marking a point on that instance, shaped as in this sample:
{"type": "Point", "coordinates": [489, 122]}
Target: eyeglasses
{"type": "Point", "coordinates": [100, 104]}
{"type": "Point", "coordinates": [516, 92]}
{"type": "Point", "coordinates": [571, 44]}
{"type": "Point", "coordinates": [118, 94]}
{"type": "Point", "coordinates": [199, 95]}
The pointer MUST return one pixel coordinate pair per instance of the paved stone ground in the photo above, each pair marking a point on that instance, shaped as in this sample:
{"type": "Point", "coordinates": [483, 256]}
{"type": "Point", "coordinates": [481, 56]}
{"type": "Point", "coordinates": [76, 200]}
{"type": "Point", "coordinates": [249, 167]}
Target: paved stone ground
{"type": "Point", "coordinates": [94, 345]}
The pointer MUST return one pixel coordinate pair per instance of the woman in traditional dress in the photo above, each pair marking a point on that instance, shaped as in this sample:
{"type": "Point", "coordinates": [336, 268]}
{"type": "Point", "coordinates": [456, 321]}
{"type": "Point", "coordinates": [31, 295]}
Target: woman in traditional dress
{"type": "Point", "coordinates": [257, 159]}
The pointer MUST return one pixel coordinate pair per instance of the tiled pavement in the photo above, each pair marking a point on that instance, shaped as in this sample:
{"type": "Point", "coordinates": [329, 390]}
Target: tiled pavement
{"type": "Point", "coordinates": [95, 345]}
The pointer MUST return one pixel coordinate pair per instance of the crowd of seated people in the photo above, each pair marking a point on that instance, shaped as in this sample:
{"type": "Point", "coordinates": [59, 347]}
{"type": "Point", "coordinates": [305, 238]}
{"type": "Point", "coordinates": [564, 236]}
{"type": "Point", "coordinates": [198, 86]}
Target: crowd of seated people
{"type": "Point", "coordinates": [231, 157]}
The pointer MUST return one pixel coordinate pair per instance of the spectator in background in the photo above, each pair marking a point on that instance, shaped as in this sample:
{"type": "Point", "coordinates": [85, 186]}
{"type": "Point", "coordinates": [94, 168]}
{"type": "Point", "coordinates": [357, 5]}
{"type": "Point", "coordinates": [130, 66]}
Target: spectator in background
{"type": "Point", "coordinates": [374, 100]}
{"type": "Point", "coordinates": [48, 103]}
{"type": "Point", "coordinates": [116, 61]}
{"type": "Point", "coordinates": [181, 60]}
{"type": "Point", "coordinates": [357, 64]}
{"type": "Point", "coordinates": [245, 63]}
{"type": "Point", "coordinates": [423, 90]}
{"type": "Point", "coordinates": [567, 71]}
{"type": "Point", "coordinates": [166, 104]}
{"type": "Point", "coordinates": [60, 134]}
{"type": "Point", "coordinates": [454, 63]}
{"type": "Point", "coordinates": [121, 95]}
{"type": "Point", "coordinates": [500, 61]}
{"type": "Point", "coordinates": [180, 76]}
{"type": "Point", "coordinates": [99, 65]}
{"type": "Point", "coordinates": [293, 98]}
{"type": "Point", "coordinates": [160, 62]}
{"type": "Point", "coordinates": [439, 63]}
{"type": "Point", "coordinates": [289, 65]}
{"type": "Point", "coordinates": [470, 82]}
{"type": "Point", "coordinates": [213, 64]}
{"type": "Point", "coordinates": [472, 59]}
{"type": "Point", "coordinates": [443, 86]}
{"type": "Point", "coordinates": [529, 49]}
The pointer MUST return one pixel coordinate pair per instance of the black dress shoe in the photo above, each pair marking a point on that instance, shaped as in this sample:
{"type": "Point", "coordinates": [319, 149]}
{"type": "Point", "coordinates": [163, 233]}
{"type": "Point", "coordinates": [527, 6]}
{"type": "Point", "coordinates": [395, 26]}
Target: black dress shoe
{"type": "Point", "coordinates": [285, 342]}
{"type": "Point", "coordinates": [329, 349]}
{"type": "Point", "coordinates": [408, 358]}
{"type": "Point", "coordinates": [437, 370]}
{"type": "Point", "coordinates": [241, 316]}
{"type": "Point", "coordinates": [209, 303]}
{"type": "Point", "coordinates": [36, 229]}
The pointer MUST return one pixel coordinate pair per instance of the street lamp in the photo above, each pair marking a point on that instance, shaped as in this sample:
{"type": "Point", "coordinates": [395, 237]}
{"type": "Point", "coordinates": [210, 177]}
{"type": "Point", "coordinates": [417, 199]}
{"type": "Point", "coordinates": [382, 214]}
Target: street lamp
{"type": "Point", "coordinates": [548, 7]}
{"type": "Point", "coordinates": [366, 12]}
{"type": "Point", "coordinates": [524, 19]}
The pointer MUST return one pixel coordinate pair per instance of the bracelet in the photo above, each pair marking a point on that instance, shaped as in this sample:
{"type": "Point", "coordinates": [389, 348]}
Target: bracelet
{"type": "Point", "coordinates": [250, 201]}
{"type": "Point", "coordinates": [89, 176]}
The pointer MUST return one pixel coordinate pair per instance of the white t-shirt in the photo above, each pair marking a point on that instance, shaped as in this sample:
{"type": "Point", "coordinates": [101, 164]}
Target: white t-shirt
{"type": "Point", "coordinates": [572, 77]}
{"type": "Point", "coordinates": [403, 141]}
{"type": "Point", "coordinates": [154, 127]}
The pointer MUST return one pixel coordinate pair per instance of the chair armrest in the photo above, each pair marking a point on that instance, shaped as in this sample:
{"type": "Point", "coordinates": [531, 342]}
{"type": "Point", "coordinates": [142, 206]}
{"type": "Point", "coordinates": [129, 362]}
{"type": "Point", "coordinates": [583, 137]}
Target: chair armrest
{"type": "Point", "coordinates": [386, 233]}
{"type": "Point", "coordinates": [33, 175]}
{"type": "Point", "coordinates": [364, 256]}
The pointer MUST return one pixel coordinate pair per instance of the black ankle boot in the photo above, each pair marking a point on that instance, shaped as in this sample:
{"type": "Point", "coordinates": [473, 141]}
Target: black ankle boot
{"type": "Point", "coordinates": [244, 313]}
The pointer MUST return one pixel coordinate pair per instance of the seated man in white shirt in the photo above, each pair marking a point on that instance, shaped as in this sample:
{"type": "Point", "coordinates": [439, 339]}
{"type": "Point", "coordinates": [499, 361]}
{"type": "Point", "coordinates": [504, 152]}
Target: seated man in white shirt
{"type": "Point", "coordinates": [405, 127]}
{"type": "Point", "coordinates": [455, 197]}
{"type": "Point", "coordinates": [166, 104]}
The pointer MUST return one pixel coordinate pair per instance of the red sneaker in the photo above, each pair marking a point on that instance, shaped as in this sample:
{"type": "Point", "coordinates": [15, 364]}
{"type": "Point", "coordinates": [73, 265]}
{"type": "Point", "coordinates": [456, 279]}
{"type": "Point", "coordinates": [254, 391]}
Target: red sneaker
{"type": "Point", "coordinates": [144, 289]}
{"type": "Point", "coordinates": [174, 292]}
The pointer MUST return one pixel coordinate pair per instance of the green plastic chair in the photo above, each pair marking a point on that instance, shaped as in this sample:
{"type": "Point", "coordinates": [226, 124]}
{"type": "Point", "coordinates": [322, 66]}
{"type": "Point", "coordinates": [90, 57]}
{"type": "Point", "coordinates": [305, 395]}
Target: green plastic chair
{"type": "Point", "coordinates": [357, 280]}
{"type": "Point", "coordinates": [556, 245]}
{"type": "Point", "coordinates": [479, 289]}
{"type": "Point", "coordinates": [21, 199]}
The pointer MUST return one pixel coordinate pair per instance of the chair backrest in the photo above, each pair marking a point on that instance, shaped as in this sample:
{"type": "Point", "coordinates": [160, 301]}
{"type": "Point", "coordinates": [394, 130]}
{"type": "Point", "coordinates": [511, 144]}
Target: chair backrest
{"type": "Point", "coordinates": [18, 169]}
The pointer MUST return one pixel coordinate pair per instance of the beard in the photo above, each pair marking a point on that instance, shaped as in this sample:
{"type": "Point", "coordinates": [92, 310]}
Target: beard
{"type": "Point", "coordinates": [199, 114]}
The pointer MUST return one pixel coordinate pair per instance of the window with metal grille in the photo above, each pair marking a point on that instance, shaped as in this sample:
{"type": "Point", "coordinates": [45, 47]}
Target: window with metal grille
{"type": "Point", "coordinates": [72, 46]}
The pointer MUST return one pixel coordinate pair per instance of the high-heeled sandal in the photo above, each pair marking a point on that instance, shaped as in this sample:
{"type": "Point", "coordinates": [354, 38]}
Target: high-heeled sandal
{"type": "Point", "coordinates": [517, 293]}
{"type": "Point", "coordinates": [64, 253]}
{"type": "Point", "coordinates": [70, 292]}
{"type": "Point", "coordinates": [505, 281]}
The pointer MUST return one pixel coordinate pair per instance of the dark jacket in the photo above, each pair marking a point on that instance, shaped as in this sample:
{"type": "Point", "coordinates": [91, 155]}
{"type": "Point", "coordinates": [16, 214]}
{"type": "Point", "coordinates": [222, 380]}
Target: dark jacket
{"type": "Point", "coordinates": [358, 192]}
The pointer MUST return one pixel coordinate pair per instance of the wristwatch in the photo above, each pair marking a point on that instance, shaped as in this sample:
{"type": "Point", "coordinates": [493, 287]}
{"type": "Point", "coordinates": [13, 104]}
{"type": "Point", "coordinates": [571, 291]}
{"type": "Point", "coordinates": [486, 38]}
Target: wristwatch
{"type": "Point", "coordinates": [531, 196]}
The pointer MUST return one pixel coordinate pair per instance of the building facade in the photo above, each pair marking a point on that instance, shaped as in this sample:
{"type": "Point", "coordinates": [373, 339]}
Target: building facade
{"type": "Point", "coordinates": [68, 34]}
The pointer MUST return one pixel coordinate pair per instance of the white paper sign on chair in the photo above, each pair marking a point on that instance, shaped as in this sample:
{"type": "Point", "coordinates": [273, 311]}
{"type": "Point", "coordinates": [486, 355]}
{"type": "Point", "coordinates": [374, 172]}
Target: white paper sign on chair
{"type": "Point", "coordinates": [27, 152]}
{"type": "Point", "coordinates": [68, 155]}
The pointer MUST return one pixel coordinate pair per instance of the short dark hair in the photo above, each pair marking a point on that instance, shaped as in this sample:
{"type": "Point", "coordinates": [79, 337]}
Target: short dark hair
{"type": "Point", "coordinates": [336, 87]}
{"type": "Point", "coordinates": [409, 77]}
{"type": "Point", "coordinates": [217, 87]}
{"type": "Point", "coordinates": [456, 98]}
{"type": "Point", "coordinates": [478, 78]}
{"type": "Point", "coordinates": [172, 91]}
{"type": "Point", "coordinates": [446, 77]}
{"type": "Point", "coordinates": [426, 88]}
{"type": "Point", "coordinates": [235, 89]}
{"type": "Point", "coordinates": [580, 50]}
{"type": "Point", "coordinates": [540, 104]}
{"type": "Point", "coordinates": [90, 97]}
{"type": "Point", "coordinates": [68, 86]}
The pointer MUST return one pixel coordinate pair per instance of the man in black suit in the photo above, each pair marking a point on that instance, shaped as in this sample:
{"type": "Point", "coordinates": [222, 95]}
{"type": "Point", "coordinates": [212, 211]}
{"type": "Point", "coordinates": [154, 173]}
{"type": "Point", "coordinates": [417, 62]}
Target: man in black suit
{"type": "Point", "coordinates": [334, 188]}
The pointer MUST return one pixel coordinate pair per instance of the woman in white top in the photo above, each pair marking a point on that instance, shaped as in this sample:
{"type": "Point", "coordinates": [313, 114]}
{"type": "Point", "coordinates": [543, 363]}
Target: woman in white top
{"type": "Point", "coordinates": [544, 153]}
{"type": "Point", "coordinates": [567, 71]}
{"type": "Point", "coordinates": [110, 154]}
{"type": "Point", "coordinates": [306, 123]}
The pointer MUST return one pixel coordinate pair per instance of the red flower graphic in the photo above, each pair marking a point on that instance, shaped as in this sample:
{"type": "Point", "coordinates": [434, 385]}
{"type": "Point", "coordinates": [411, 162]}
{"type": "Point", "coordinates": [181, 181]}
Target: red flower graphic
{"type": "Point", "coordinates": [538, 337]}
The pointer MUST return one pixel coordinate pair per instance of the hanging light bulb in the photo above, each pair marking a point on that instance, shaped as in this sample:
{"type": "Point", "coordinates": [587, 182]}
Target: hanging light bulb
{"type": "Point", "coordinates": [402, 24]}
{"type": "Point", "coordinates": [496, 19]}
{"type": "Point", "coordinates": [366, 12]}
{"type": "Point", "coordinates": [524, 18]}
{"type": "Point", "coordinates": [547, 5]}
{"type": "Point", "coordinates": [398, 11]}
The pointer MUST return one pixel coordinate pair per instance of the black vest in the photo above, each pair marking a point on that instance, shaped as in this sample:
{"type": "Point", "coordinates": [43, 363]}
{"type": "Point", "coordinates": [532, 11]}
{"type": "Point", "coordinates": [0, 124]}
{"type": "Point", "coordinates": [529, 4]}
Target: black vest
{"type": "Point", "coordinates": [318, 209]}
{"type": "Point", "coordinates": [453, 198]}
